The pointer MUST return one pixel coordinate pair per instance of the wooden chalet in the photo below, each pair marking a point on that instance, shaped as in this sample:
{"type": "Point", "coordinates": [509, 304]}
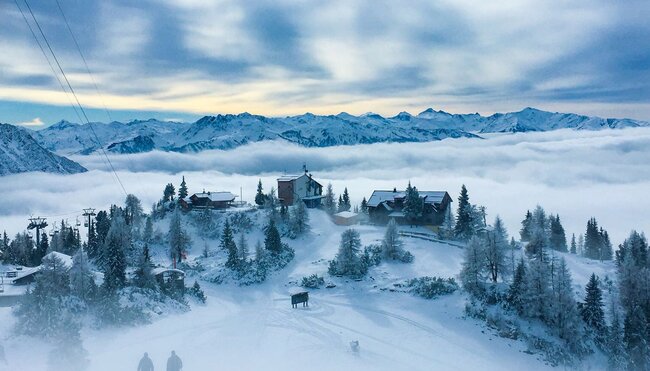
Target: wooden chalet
{"type": "Point", "coordinates": [208, 200]}
{"type": "Point", "coordinates": [299, 187]}
{"type": "Point", "coordinates": [386, 205]}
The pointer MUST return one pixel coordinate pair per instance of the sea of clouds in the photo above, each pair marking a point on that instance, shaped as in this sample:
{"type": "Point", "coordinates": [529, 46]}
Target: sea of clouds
{"type": "Point", "coordinates": [578, 174]}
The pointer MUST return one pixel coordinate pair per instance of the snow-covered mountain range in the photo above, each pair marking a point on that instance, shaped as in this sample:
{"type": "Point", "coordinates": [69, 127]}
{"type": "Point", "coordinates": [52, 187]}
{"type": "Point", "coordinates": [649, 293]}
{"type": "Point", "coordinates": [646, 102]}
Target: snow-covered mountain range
{"type": "Point", "coordinates": [229, 131]}
{"type": "Point", "coordinates": [19, 153]}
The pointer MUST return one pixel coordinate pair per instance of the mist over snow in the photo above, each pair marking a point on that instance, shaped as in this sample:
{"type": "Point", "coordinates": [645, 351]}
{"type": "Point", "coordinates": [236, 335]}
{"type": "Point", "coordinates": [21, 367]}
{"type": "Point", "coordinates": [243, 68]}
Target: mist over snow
{"type": "Point", "coordinates": [604, 174]}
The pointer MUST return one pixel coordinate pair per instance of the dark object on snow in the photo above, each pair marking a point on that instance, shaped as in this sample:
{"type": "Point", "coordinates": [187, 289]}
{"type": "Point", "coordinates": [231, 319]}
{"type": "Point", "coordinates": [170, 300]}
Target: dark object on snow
{"type": "Point", "coordinates": [301, 297]}
{"type": "Point", "coordinates": [174, 363]}
{"type": "Point", "coordinates": [145, 363]}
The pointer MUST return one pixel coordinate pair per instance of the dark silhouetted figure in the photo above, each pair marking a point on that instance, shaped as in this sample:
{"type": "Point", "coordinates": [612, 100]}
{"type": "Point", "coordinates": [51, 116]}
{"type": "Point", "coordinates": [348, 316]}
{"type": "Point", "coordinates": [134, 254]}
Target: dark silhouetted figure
{"type": "Point", "coordinates": [174, 363]}
{"type": "Point", "coordinates": [145, 363]}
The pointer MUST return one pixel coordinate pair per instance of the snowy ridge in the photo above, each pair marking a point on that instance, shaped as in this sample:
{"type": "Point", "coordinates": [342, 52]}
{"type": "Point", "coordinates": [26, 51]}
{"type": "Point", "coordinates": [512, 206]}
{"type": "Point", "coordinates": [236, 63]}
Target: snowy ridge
{"type": "Point", "coordinates": [20, 153]}
{"type": "Point", "coordinates": [230, 131]}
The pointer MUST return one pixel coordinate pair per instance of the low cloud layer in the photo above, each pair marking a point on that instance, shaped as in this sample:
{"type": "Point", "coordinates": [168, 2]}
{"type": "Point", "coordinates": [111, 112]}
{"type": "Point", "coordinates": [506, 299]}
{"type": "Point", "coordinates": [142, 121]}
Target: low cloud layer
{"type": "Point", "coordinates": [576, 174]}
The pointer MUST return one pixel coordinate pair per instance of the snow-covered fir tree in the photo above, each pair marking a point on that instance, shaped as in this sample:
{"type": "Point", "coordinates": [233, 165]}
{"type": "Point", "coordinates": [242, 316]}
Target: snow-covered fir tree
{"type": "Point", "coordinates": [182, 190]}
{"type": "Point", "coordinates": [364, 206]}
{"type": "Point", "coordinates": [329, 202]}
{"type": "Point", "coordinates": [413, 204]}
{"type": "Point", "coordinates": [472, 274]}
{"type": "Point", "coordinates": [147, 233]}
{"type": "Point", "coordinates": [464, 224]}
{"type": "Point", "coordinates": [574, 245]}
{"type": "Point", "coordinates": [348, 259]}
{"type": "Point", "coordinates": [392, 245]}
{"type": "Point", "coordinates": [635, 338]}
{"type": "Point", "coordinates": [272, 240]}
{"type": "Point", "coordinates": [344, 201]}
{"type": "Point", "coordinates": [517, 288]}
{"type": "Point", "coordinates": [242, 249]}
{"type": "Point", "coordinates": [565, 318]}
{"type": "Point", "coordinates": [537, 291]}
{"type": "Point", "coordinates": [228, 244]}
{"type": "Point", "coordinates": [557, 238]}
{"type": "Point", "coordinates": [496, 250]}
{"type": "Point", "coordinates": [116, 244]}
{"type": "Point", "coordinates": [526, 227]}
{"type": "Point", "coordinates": [299, 219]}
{"type": "Point", "coordinates": [133, 212]}
{"type": "Point", "coordinates": [82, 279]}
{"type": "Point", "coordinates": [592, 308]}
{"type": "Point", "coordinates": [144, 277]}
{"type": "Point", "coordinates": [42, 311]}
{"type": "Point", "coordinates": [272, 204]}
{"type": "Point", "coordinates": [179, 239]}
{"type": "Point", "coordinates": [168, 193]}
{"type": "Point", "coordinates": [260, 197]}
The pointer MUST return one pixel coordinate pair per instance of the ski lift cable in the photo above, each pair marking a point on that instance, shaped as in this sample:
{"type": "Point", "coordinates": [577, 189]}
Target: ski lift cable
{"type": "Point", "coordinates": [76, 43]}
{"type": "Point", "coordinates": [90, 74]}
{"type": "Point", "coordinates": [56, 75]}
{"type": "Point", "coordinates": [65, 77]}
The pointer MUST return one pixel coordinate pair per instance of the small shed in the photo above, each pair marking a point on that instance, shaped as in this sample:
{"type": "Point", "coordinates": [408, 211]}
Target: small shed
{"type": "Point", "coordinates": [346, 218]}
{"type": "Point", "coordinates": [169, 277]}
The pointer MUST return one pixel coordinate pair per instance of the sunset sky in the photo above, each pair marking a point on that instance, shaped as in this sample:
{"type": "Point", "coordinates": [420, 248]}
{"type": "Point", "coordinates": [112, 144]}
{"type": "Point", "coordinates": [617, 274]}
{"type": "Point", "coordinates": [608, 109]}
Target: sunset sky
{"type": "Point", "coordinates": [181, 59]}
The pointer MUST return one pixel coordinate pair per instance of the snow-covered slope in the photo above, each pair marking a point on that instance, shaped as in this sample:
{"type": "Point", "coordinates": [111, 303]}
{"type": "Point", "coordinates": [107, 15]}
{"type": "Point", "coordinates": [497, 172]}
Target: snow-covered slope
{"type": "Point", "coordinates": [255, 328]}
{"type": "Point", "coordinates": [230, 131]}
{"type": "Point", "coordinates": [20, 153]}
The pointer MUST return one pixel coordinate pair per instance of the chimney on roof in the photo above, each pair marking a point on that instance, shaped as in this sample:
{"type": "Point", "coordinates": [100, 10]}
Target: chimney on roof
{"type": "Point", "coordinates": [304, 167]}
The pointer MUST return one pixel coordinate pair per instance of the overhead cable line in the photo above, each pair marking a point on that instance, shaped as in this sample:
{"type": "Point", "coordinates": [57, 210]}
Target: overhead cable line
{"type": "Point", "coordinates": [56, 75]}
{"type": "Point", "coordinates": [65, 77]}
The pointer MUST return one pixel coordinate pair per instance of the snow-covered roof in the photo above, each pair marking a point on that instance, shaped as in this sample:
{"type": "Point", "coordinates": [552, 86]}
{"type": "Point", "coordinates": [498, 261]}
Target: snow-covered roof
{"type": "Point", "coordinates": [292, 177]}
{"type": "Point", "coordinates": [66, 259]}
{"type": "Point", "coordinates": [159, 270]}
{"type": "Point", "coordinates": [396, 214]}
{"type": "Point", "coordinates": [24, 272]}
{"type": "Point", "coordinates": [288, 177]}
{"type": "Point", "coordinates": [430, 197]}
{"type": "Point", "coordinates": [217, 196]}
{"type": "Point", "coordinates": [381, 196]}
{"type": "Point", "coordinates": [346, 214]}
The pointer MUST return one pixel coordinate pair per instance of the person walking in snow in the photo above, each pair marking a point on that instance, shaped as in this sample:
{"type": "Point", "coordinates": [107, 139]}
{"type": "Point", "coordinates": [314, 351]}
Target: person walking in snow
{"type": "Point", "coordinates": [174, 363]}
{"type": "Point", "coordinates": [145, 363]}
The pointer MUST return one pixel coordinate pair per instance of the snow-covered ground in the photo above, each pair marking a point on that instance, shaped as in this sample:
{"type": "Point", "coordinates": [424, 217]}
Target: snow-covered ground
{"type": "Point", "coordinates": [253, 328]}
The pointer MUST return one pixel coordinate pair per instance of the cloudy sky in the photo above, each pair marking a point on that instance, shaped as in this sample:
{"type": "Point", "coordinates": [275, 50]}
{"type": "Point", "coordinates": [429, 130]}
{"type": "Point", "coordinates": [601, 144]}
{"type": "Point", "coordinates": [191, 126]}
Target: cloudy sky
{"type": "Point", "coordinates": [180, 59]}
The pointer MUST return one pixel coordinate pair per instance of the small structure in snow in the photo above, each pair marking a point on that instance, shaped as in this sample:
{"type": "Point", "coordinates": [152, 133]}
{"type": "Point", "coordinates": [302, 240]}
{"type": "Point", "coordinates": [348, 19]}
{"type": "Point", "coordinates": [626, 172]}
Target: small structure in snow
{"type": "Point", "coordinates": [346, 218]}
{"type": "Point", "coordinates": [208, 200]}
{"type": "Point", "coordinates": [301, 297]}
{"type": "Point", "coordinates": [170, 277]}
{"type": "Point", "coordinates": [354, 346]}
{"type": "Point", "coordinates": [300, 187]}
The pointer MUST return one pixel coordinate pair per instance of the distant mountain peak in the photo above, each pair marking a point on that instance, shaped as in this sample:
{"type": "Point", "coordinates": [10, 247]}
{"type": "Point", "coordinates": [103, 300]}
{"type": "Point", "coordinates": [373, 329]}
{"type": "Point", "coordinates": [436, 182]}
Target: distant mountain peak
{"type": "Point", "coordinates": [20, 152]}
{"type": "Point", "coordinates": [63, 124]}
{"type": "Point", "coordinates": [226, 131]}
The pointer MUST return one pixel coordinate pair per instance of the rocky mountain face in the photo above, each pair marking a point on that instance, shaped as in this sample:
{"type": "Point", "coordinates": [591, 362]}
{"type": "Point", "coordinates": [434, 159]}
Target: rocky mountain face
{"type": "Point", "coordinates": [230, 131]}
{"type": "Point", "coordinates": [20, 153]}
